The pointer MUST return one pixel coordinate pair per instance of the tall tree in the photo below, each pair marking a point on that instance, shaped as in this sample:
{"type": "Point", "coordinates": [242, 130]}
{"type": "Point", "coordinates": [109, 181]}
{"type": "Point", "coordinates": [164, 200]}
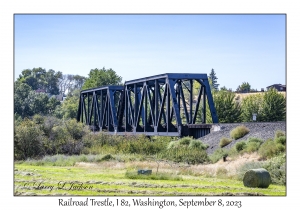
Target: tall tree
{"type": "Point", "coordinates": [252, 105]}
{"type": "Point", "coordinates": [78, 82]}
{"type": "Point", "coordinates": [228, 110]}
{"type": "Point", "coordinates": [101, 77]}
{"type": "Point", "coordinates": [213, 78]}
{"type": "Point", "coordinates": [245, 87]}
{"type": "Point", "coordinates": [65, 83]}
{"type": "Point", "coordinates": [39, 78]}
{"type": "Point", "coordinates": [273, 106]}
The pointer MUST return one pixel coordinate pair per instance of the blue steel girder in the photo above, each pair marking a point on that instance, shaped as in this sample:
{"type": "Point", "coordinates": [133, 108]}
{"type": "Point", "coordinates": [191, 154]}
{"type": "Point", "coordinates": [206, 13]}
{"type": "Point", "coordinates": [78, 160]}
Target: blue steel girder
{"type": "Point", "coordinates": [101, 111]}
{"type": "Point", "coordinates": [165, 104]}
{"type": "Point", "coordinates": [157, 99]}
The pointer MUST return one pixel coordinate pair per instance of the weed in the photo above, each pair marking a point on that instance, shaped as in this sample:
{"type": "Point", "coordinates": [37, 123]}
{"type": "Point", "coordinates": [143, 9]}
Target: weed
{"type": "Point", "coordinates": [240, 146]}
{"type": "Point", "coordinates": [224, 141]}
{"type": "Point", "coordinates": [268, 149]}
{"type": "Point", "coordinates": [277, 169]}
{"type": "Point", "coordinates": [239, 132]}
{"type": "Point", "coordinates": [280, 140]}
{"type": "Point", "coordinates": [197, 144]}
{"type": "Point", "coordinates": [279, 133]}
{"type": "Point", "coordinates": [252, 147]}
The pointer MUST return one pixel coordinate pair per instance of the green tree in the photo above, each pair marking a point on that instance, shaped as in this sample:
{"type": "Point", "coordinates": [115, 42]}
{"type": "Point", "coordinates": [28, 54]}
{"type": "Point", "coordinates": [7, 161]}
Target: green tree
{"type": "Point", "coordinates": [28, 102]}
{"type": "Point", "coordinates": [39, 78]}
{"type": "Point", "coordinates": [78, 82]}
{"type": "Point", "coordinates": [252, 105]}
{"type": "Point", "coordinates": [228, 110]}
{"type": "Point", "coordinates": [101, 77]}
{"type": "Point", "coordinates": [212, 76]}
{"type": "Point", "coordinates": [245, 87]}
{"type": "Point", "coordinates": [21, 105]}
{"type": "Point", "coordinates": [28, 140]}
{"type": "Point", "coordinates": [69, 107]}
{"type": "Point", "coordinates": [51, 82]}
{"type": "Point", "coordinates": [273, 106]}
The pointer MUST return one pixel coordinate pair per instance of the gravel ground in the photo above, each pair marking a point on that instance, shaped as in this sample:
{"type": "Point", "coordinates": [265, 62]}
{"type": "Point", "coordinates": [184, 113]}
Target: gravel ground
{"type": "Point", "coordinates": [263, 130]}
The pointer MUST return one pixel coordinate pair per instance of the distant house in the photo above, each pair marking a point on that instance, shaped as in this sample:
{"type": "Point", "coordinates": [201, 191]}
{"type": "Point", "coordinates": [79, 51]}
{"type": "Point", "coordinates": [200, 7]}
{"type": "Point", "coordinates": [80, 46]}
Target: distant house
{"type": "Point", "coordinates": [278, 87]}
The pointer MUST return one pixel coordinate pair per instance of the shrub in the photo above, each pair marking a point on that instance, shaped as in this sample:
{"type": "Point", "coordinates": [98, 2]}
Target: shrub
{"type": "Point", "coordinates": [224, 141]}
{"type": "Point", "coordinates": [185, 141]}
{"type": "Point", "coordinates": [277, 169]}
{"type": "Point", "coordinates": [239, 132]}
{"type": "Point", "coordinates": [76, 129]}
{"type": "Point", "coordinates": [280, 140]}
{"type": "Point", "coordinates": [28, 140]}
{"type": "Point", "coordinates": [185, 154]}
{"type": "Point", "coordinates": [107, 157]}
{"type": "Point", "coordinates": [173, 145]}
{"type": "Point", "coordinates": [273, 107]}
{"type": "Point", "coordinates": [252, 104]}
{"type": "Point", "coordinates": [256, 140]}
{"type": "Point", "coordinates": [240, 146]}
{"type": "Point", "coordinates": [268, 149]}
{"type": "Point", "coordinates": [218, 154]}
{"type": "Point", "coordinates": [279, 133]}
{"type": "Point", "coordinates": [197, 144]}
{"type": "Point", "coordinates": [252, 146]}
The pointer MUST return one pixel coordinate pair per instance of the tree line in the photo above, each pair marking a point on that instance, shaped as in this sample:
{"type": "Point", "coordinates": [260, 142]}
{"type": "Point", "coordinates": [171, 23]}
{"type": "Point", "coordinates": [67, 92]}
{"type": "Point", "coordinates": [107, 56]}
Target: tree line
{"type": "Point", "coordinates": [36, 89]}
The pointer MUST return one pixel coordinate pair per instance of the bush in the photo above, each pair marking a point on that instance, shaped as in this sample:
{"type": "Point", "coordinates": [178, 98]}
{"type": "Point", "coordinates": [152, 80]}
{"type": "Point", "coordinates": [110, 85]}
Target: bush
{"type": "Point", "coordinates": [252, 146]}
{"type": "Point", "coordinates": [172, 145]}
{"type": "Point", "coordinates": [185, 154]}
{"type": "Point", "coordinates": [256, 140]}
{"type": "Point", "coordinates": [277, 169]}
{"type": "Point", "coordinates": [279, 133]}
{"type": "Point", "coordinates": [224, 141]}
{"type": "Point", "coordinates": [280, 140]}
{"type": "Point", "coordinates": [268, 149]}
{"type": "Point", "coordinates": [273, 107]}
{"type": "Point", "coordinates": [185, 141]}
{"type": "Point", "coordinates": [239, 132]}
{"type": "Point", "coordinates": [217, 155]}
{"type": "Point", "coordinates": [197, 144]}
{"type": "Point", "coordinates": [28, 140]}
{"type": "Point", "coordinates": [240, 146]}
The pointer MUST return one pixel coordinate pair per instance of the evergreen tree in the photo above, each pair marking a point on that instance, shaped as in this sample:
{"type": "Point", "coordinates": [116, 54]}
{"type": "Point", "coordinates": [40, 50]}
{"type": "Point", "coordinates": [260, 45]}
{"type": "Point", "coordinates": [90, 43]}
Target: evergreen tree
{"type": "Point", "coordinates": [212, 76]}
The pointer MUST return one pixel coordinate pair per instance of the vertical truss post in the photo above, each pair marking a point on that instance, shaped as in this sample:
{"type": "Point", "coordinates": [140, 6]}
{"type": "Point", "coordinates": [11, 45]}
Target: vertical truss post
{"type": "Point", "coordinates": [145, 108]}
{"type": "Point", "coordinates": [191, 102]}
{"type": "Point", "coordinates": [166, 97]}
{"type": "Point", "coordinates": [135, 107]}
{"type": "Point", "coordinates": [156, 89]}
{"type": "Point", "coordinates": [204, 105]}
{"type": "Point", "coordinates": [168, 106]}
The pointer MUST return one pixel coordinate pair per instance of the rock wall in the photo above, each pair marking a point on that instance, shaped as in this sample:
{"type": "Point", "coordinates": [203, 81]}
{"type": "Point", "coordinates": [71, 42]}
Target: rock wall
{"type": "Point", "coordinates": [261, 130]}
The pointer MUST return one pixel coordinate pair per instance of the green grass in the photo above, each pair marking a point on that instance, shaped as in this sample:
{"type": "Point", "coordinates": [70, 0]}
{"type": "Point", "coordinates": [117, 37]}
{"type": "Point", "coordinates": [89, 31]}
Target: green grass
{"type": "Point", "coordinates": [224, 141]}
{"type": "Point", "coordinates": [109, 182]}
{"type": "Point", "coordinates": [239, 132]}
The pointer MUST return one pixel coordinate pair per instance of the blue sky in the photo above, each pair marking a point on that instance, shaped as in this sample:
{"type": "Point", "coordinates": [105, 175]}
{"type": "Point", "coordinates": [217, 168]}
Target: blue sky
{"type": "Point", "coordinates": [240, 48]}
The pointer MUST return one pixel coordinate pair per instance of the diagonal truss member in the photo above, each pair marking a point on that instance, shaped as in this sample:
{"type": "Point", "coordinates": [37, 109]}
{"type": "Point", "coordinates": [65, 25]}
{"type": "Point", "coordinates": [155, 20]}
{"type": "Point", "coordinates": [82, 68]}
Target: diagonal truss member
{"type": "Point", "coordinates": [167, 104]}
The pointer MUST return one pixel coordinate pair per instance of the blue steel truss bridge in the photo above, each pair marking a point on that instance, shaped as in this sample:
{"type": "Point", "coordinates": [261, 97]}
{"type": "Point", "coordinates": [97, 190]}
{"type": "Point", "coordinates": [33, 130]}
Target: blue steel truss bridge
{"type": "Point", "coordinates": [169, 104]}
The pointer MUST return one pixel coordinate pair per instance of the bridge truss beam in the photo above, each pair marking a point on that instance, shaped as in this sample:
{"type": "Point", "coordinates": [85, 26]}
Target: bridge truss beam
{"type": "Point", "coordinates": [167, 104]}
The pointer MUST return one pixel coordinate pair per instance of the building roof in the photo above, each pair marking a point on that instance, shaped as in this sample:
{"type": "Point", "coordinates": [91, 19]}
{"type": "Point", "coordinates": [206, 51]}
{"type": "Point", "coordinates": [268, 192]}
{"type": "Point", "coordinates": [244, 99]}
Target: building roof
{"type": "Point", "coordinates": [280, 85]}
